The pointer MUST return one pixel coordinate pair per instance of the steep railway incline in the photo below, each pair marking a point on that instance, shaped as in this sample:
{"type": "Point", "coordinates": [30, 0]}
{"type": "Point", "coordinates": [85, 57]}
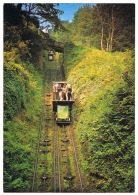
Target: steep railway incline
{"type": "Point", "coordinates": [56, 166]}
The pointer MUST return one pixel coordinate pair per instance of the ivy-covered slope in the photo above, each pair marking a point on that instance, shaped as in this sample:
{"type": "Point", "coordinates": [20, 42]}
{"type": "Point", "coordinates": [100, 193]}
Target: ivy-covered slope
{"type": "Point", "coordinates": [22, 100]}
{"type": "Point", "coordinates": [23, 97]}
{"type": "Point", "coordinates": [104, 93]}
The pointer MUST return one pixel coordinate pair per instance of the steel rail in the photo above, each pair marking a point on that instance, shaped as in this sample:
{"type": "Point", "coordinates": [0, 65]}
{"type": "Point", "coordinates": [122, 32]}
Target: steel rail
{"type": "Point", "coordinates": [39, 140]}
{"type": "Point", "coordinates": [58, 154]}
{"type": "Point", "coordinates": [54, 160]}
{"type": "Point", "coordinates": [46, 149]}
{"type": "Point", "coordinates": [66, 146]}
{"type": "Point", "coordinates": [76, 159]}
{"type": "Point", "coordinates": [38, 146]}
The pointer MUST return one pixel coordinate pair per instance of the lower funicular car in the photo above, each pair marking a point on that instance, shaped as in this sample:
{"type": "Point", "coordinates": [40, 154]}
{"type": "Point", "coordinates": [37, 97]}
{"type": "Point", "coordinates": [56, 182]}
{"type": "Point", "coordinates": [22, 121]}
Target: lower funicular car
{"type": "Point", "coordinates": [63, 102]}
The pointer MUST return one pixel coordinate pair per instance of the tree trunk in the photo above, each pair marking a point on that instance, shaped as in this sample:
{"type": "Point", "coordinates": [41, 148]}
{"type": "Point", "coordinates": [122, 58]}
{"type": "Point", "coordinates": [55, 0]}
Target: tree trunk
{"type": "Point", "coordinates": [28, 17]}
{"type": "Point", "coordinates": [102, 38]}
{"type": "Point", "coordinates": [112, 30]}
{"type": "Point", "coordinates": [100, 11]}
{"type": "Point", "coordinates": [107, 45]}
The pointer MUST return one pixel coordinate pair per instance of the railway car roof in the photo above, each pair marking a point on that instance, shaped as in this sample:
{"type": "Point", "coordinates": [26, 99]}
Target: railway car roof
{"type": "Point", "coordinates": [61, 82]}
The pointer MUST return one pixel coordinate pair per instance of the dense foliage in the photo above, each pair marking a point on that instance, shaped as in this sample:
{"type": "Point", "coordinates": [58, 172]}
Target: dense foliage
{"type": "Point", "coordinates": [20, 136]}
{"type": "Point", "coordinates": [104, 91]}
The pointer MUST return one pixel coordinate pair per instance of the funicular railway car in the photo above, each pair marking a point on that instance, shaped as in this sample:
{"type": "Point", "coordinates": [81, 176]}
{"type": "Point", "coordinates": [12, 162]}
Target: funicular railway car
{"type": "Point", "coordinates": [50, 55]}
{"type": "Point", "coordinates": [63, 102]}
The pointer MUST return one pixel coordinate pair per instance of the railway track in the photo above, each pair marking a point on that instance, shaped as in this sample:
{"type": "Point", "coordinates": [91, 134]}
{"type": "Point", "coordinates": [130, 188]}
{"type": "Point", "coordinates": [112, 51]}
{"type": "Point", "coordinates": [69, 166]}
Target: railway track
{"type": "Point", "coordinates": [56, 166]}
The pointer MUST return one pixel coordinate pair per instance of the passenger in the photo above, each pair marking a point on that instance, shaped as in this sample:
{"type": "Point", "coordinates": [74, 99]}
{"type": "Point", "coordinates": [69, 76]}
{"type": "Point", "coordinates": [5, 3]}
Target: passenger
{"type": "Point", "coordinates": [69, 92]}
{"type": "Point", "coordinates": [64, 92]}
{"type": "Point", "coordinates": [55, 92]}
{"type": "Point", "coordinates": [59, 90]}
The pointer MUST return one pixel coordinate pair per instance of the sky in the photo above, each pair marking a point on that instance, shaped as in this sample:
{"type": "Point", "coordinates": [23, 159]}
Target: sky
{"type": "Point", "coordinates": [69, 10]}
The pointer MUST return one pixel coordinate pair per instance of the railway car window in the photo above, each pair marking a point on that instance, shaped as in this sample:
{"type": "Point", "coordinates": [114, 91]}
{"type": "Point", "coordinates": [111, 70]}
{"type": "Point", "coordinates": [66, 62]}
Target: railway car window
{"type": "Point", "coordinates": [62, 112]}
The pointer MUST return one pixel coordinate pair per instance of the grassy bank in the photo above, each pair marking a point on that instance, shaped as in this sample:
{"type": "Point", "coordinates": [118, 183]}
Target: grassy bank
{"type": "Point", "coordinates": [104, 127]}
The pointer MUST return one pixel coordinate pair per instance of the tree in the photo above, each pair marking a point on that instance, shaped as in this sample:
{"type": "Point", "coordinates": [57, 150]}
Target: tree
{"type": "Point", "coordinates": [117, 24]}
{"type": "Point", "coordinates": [100, 11]}
{"type": "Point", "coordinates": [109, 27]}
{"type": "Point", "coordinates": [83, 25]}
{"type": "Point", "coordinates": [43, 12]}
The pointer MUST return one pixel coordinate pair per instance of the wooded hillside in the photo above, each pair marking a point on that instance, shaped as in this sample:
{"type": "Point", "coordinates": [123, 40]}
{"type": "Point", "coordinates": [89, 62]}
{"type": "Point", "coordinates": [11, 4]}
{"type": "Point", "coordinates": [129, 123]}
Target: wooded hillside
{"type": "Point", "coordinates": [99, 60]}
